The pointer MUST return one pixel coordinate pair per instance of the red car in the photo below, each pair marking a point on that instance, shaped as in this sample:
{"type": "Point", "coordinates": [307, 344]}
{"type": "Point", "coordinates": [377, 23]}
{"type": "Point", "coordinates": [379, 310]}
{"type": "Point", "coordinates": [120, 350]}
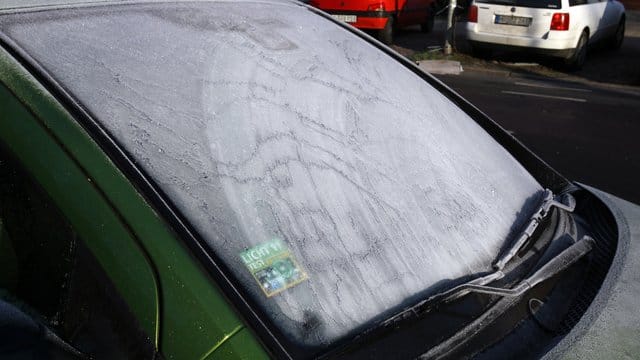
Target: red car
{"type": "Point", "coordinates": [382, 16]}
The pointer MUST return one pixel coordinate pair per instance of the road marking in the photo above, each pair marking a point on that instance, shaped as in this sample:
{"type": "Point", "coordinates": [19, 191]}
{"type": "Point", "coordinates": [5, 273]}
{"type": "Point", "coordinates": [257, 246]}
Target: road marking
{"type": "Point", "coordinates": [547, 86]}
{"type": "Point", "coordinates": [544, 96]}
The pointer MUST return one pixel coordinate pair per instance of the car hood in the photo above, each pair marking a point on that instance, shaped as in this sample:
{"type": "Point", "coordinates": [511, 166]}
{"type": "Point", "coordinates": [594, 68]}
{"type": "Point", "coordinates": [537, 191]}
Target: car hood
{"type": "Point", "coordinates": [610, 328]}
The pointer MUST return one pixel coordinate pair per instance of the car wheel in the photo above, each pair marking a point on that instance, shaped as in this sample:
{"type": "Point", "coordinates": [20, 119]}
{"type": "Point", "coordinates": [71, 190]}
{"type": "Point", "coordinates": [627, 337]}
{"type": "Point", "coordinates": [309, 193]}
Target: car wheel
{"type": "Point", "coordinates": [427, 27]}
{"type": "Point", "coordinates": [386, 34]}
{"type": "Point", "coordinates": [579, 56]}
{"type": "Point", "coordinates": [618, 37]}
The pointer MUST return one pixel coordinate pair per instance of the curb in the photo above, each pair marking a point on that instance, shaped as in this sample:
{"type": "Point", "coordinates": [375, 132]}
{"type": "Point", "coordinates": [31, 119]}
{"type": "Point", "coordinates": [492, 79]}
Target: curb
{"type": "Point", "coordinates": [440, 67]}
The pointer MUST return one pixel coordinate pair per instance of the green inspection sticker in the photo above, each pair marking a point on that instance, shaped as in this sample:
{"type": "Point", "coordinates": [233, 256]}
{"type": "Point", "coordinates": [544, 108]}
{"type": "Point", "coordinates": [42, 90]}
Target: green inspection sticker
{"type": "Point", "coordinates": [273, 267]}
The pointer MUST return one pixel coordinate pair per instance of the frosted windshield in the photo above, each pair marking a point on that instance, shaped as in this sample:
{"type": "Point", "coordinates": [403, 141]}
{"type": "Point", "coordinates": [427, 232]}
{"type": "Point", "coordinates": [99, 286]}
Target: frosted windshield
{"type": "Point", "coordinates": [277, 133]}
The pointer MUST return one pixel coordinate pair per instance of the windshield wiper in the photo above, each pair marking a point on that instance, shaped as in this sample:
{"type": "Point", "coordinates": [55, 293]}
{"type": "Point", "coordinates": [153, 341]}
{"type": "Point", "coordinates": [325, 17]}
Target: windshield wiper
{"type": "Point", "coordinates": [548, 202]}
{"type": "Point", "coordinates": [551, 268]}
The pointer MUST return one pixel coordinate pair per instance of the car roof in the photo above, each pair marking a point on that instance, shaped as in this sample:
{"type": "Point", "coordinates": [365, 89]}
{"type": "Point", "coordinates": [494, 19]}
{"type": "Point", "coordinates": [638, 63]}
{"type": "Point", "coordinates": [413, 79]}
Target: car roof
{"type": "Point", "coordinates": [32, 5]}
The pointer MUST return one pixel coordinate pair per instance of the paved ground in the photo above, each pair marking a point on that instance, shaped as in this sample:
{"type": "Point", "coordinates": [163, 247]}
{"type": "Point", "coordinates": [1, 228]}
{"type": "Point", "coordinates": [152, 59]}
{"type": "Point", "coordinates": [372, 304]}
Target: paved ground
{"type": "Point", "coordinates": [590, 133]}
{"type": "Point", "coordinates": [584, 124]}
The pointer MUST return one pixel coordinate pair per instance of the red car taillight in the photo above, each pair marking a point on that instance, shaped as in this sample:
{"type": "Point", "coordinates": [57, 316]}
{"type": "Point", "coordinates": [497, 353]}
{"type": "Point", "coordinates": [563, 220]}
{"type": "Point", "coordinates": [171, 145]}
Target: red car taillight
{"type": "Point", "coordinates": [473, 14]}
{"type": "Point", "coordinates": [560, 21]}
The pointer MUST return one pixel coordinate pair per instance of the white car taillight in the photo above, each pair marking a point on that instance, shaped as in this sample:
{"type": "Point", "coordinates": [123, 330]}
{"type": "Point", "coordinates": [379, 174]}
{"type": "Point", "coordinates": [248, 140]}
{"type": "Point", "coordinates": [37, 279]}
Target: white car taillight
{"type": "Point", "coordinates": [473, 14]}
{"type": "Point", "coordinates": [560, 21]}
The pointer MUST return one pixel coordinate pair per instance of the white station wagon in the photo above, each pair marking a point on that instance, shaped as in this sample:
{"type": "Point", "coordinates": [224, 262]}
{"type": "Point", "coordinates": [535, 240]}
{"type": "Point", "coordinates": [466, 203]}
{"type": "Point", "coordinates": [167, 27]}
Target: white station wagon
{"type": "Point", "coordinates": [559, 28]}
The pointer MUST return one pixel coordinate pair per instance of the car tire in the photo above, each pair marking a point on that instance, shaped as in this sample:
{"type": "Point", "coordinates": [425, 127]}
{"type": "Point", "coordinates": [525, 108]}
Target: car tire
{"type": "Point", "coordinates": [579, 56]}
{"type": "Point", "coordinates": [618, 36]}
{"type": "Point", "coordinates": [427, 27]}
{"type": "Point", "coordinates": [385, 35]}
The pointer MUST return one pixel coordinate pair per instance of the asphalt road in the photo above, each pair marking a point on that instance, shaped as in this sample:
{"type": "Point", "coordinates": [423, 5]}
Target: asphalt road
{"type": "Point", "coordinates": [587, 131]}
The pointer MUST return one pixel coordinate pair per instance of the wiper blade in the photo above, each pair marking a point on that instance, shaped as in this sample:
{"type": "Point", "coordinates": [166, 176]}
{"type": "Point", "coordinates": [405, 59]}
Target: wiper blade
{"type": "Point", "coordinates": [552, 268]}
{"type": "Point", "coordinates": [446, 296]}
{"type": "Point", "coordinates": [479, 284]}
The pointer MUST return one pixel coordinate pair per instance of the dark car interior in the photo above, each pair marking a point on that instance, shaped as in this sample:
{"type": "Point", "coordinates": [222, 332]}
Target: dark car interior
{"type": "Point", "coordinates": [56, 302]}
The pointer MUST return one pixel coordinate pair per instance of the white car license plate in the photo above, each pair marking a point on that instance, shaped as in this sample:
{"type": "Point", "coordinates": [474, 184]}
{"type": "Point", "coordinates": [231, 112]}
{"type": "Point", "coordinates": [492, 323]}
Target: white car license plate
{"type": "Point", "coordinates": [513, 20]}
{"type": "Point", "coordinates": [345, 18]}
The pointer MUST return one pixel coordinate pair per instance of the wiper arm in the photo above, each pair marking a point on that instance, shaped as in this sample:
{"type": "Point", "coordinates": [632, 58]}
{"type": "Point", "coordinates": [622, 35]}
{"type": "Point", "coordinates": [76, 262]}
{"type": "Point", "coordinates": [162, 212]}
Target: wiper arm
{"type": "Point", "coordinates": [543, 211]}
{"type": "Point", "coordinates": [548, 202]}
{"type": "Point", "coordinates": [479, 284]}
{"type": "Point", "coordinates": [552, 268]}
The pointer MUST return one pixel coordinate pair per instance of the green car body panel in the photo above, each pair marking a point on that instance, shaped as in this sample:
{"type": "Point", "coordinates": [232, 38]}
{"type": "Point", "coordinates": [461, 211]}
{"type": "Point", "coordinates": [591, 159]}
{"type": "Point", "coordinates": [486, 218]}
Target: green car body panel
{"type": "Point", "coordinates": [242, 345]}
{"type": "Point", "coordinates": [175, 301]}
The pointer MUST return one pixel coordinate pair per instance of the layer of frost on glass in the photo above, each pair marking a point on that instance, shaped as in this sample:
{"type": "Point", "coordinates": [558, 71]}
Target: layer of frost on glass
{"type": "Point", "coordinates": [266, 122]}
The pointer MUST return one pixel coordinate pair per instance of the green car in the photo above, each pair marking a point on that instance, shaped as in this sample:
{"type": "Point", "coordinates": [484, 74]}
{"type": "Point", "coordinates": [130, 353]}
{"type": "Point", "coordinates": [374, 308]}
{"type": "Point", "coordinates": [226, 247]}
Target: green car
{"type": "Point", "coordinates": [252, 179]}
